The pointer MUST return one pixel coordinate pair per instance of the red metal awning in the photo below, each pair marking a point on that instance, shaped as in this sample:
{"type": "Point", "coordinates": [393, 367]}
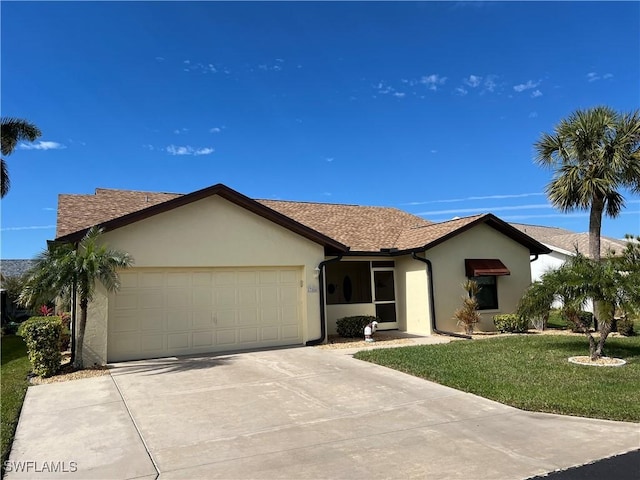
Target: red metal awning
{"type": "Point", "coordinates": [476, 267]}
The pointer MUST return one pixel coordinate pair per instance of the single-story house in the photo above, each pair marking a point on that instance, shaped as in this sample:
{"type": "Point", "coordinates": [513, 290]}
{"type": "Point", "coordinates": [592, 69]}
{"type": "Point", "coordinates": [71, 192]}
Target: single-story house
{"type": "Point", "coordinates": [218, 271]}
{"type": "Point", "coordinates": [563, 245]}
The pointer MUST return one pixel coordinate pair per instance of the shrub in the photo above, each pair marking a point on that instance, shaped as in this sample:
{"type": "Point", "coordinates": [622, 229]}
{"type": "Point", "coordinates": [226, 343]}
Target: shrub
{"type": "Point", "coordinates": [625, 327]}
{"type": "Point", "coordinates": [511, 323]}
{"type": "Point", "coordinates": [352, 327]}
{"type": "Point", "coordinates": [467, 315]}
{"type": "Point", "coordinates": [585, 321]}
{"type": "Point", "coordinates": [42, 336]}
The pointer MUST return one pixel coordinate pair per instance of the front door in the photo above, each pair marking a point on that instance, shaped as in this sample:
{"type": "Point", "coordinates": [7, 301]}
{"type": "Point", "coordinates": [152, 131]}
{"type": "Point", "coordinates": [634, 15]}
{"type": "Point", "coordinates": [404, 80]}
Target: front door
{"type": "Point", "coordinates": [384, 297]}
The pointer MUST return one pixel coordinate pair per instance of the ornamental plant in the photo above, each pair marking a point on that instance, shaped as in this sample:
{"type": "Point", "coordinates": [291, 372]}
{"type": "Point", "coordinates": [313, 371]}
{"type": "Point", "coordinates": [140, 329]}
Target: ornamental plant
{"type": "Point", "coordinates": [42, 336]}
{"type": "Point", "coordinates": [467, 315]}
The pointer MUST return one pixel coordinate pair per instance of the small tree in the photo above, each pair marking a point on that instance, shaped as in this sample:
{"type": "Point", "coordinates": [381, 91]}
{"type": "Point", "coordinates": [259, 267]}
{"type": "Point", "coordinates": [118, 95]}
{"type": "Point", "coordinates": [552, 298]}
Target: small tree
{"type": "Point", "coordinates": [613, 283]}
{"type": "Point", "coordinates": [61, 267]}
{"type": "Point", "coordinates": [467, 315]}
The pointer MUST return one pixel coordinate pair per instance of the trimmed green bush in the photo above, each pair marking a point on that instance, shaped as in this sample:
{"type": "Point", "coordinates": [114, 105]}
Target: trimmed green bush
{"type": "Point", "coordinates": [42, 336]}
{"type": "Point", "coordinates": [586, 321]}
{"type": "Point", "coordinates": [510, 323]}
{"type": "Point", "coordinates": [353, 327]}
{"type": "Point", "coordinates": [625, 327]}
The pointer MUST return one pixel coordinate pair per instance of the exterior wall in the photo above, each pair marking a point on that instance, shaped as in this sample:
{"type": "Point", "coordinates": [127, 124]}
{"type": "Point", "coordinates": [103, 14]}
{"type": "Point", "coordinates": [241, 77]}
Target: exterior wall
{"type": "Point", "coordinates": [547, 262]}
{"type": "Point", "coordinates": [211, 232]}
{"type": "Point", "coordinates": [480, 241]}
{"type": "Point", "coordinates": [413, 296]}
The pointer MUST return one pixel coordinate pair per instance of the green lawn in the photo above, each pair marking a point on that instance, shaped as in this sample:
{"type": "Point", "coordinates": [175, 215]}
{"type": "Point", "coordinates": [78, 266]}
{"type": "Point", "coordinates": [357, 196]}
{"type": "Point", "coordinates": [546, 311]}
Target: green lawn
{"type": "Point", "coordinates": [15, 367]}
{"type": "Point", "coordinates": [530, 372]}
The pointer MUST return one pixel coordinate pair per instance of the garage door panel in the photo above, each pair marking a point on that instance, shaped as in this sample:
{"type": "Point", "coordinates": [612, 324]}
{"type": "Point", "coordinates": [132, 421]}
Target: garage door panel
{"type": "Point", "coordinates": [225, 296]}
{"type": "Point", "coordinates": [225, 318]}
{"type": "Point", "coordinates": [226, 337]}
{"type": "Point", "coordinates": [269, 296]}
{"type": "Point", "coordinates": [244, 277]}
{"type": "Point", "coordinates": [152, 343]}
{"type": "Point", "coordinates": [148, 299]}
{"type": "Point", "coordinates": [268, 277]}
{"type": "Point", "coordinates": [176, 341]}
{"type": "Point", "coordinates": [247, 296]}
{"type": "Point", "coordinates": [151, 279]}
{"type": "Point", "coordinates": [178, 320]}
{"type": "Point", "coordinates": [270, 315]}
{"type": "Point", "coordinates": [182, 279]}
{"type": "Point", "coordinates": [247, 316]}
{"type": "Point", "coordinates": [125, 301]}
{"type": "Point", "coordinates": [289, 276]}
{"type": "Point", "coordinates": [179, 311]}
{"type": "Point", "coordinates": [151, 320]}
{"type": "Point", "coordinates": [268, 334]}
{"type": "Point", "coordinates": [290, 332]}
{"type": "Point", "coordinates": [248, 335]}
{"type": "Point", "coordinates": [203, 339]}
{"type": "Point", "coordinates": [203, 318]}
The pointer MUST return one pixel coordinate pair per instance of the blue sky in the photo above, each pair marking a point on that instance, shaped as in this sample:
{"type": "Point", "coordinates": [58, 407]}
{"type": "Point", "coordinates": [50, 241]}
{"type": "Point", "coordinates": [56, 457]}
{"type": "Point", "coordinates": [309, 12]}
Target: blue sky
{"type": "Point", "coordinates": [432, 107]}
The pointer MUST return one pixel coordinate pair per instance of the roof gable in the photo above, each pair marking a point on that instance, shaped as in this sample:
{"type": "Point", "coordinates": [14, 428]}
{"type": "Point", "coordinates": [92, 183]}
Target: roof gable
{"type": "Point", "coordinates": [109, 222]}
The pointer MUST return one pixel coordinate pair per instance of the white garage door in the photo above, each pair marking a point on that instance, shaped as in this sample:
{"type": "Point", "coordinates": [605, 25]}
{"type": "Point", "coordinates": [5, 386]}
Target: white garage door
{"type": "Point", "coordinates": [166, 312]}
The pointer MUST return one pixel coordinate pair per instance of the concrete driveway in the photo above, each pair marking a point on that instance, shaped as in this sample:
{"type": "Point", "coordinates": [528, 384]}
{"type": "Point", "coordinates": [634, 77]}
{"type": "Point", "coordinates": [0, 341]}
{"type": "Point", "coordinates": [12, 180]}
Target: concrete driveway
{"type": "Point", "coordinates": [302, 413]}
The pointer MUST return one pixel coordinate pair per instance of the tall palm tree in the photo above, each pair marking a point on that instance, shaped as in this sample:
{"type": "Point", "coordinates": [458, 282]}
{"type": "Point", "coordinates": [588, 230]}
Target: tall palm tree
{"type": "Point", "coordinates": [13, 130]}
{"type": "Point", "coordinates": [64, 267]}
{"type": "Point", "coordinates": [594, 154]}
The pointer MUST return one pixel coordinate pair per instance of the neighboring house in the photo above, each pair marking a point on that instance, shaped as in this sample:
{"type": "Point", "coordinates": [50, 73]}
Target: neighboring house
{"type": "Point", "coordinates": [563, 245]}
{"type": "Point", "coordinates": [10, 269]}
{"type": "Point", "coordinates": [218, 271]}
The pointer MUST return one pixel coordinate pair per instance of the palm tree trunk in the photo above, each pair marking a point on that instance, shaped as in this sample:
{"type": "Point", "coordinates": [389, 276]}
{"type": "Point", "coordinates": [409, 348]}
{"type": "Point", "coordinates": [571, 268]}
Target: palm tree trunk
{"type": "Point", "coordinates": [84, 306]}
{"type": "Point", "coordinates": [595, 227]}
{"type": "Point", "coordinates": [604, 333]}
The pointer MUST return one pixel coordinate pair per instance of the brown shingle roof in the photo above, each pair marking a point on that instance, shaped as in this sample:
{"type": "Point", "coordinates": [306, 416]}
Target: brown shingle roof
{"type": "Point", "coordinates": [77, 212]}
{"type": "Point", "coordinates": [364, 229]}
{"type": "Point", "coordinates": [568, 240]}
{"type": "Point", "coordinates": [361, 228]}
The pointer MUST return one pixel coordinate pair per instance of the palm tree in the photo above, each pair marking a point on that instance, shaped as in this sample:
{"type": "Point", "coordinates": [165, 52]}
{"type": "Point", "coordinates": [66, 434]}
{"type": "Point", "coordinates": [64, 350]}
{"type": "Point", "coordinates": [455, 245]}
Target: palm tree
{"type": "Point", "coordinates": [63, 268]}
{"type": "Point", "coordinates": [614, 282]}
{"type": "Point", "coordinates": [594, 154]}
{"type": "Point", "coordinates": [12, 131]}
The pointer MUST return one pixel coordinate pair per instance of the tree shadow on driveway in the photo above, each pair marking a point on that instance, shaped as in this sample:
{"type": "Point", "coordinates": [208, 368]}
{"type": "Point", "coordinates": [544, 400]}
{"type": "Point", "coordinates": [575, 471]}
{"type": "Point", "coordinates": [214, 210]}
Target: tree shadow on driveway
{"type": "Point", "coordinates": [159, 366]}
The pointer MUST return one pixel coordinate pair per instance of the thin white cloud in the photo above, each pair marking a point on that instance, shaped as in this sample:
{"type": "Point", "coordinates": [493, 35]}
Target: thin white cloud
{"type": "Point", "coordinates": [399, 94]}
{"type": "Point", "coordinates": [434, 151]}
{"type": "Point", "coordinates": [525, 86]}
{"type": "Point", "coordinates": [178, 131]}
{"type": "Point", "coordinates": [594, 76]}
{"type": "Point", "coordinates": [490, 83]}
{"type": "Point", "coordinates": [41, 145]}
{"type": "Point", "coordinates": [487, 209]}
{"type": "Point", "coordinates": [329, 159]}
{"type": "Point", "coordinates": [215, 130]}
{"type": "Point", "coordinates": [536, 94]}
{"type": "Point", "coordinates": [159, 59]}
{"type": "Point", "coordinates": [461, 91]}
{"type": "Point", "coordinates": [533, 114]}
{"type": "Point", "coordinates": [149, 147]}
{"type": "Point", "coordinates": [188, 150]}
{"type": "Point", "coordinates": [31, 227]}
{"type": "Point", "coordinates": [433, 81]}
{"type": "Point", "coordinates": [49, 209]}
{"type": "Point", "coordinates": [483, 197]}
{"type": "Point", "coordinates": [473, 81]}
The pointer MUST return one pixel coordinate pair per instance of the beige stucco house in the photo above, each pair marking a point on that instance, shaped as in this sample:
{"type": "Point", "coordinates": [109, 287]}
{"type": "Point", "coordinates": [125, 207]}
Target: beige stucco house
{"type": "Point", "coordinates": [217, 271]}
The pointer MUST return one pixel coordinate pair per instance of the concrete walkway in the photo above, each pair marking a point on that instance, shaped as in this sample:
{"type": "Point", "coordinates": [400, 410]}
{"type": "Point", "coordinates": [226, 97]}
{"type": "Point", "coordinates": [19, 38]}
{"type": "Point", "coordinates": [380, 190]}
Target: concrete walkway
{"type": "Point", "coordinates": [295, 413]}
